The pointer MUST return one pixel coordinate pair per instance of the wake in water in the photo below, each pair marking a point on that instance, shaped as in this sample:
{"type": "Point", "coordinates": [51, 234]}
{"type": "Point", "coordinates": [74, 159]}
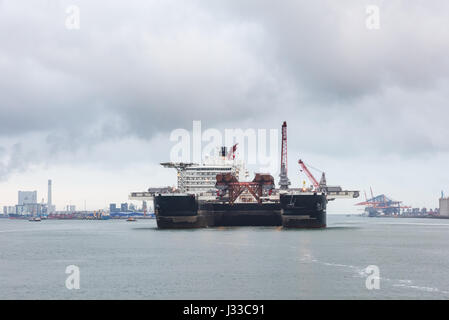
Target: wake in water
{"type": "Point", "coordinates": [361, 272]}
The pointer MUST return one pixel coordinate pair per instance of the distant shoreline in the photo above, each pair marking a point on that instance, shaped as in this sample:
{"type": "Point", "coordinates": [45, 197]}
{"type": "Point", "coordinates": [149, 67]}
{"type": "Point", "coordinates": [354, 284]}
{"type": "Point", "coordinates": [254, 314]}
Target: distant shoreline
{"type": "Point", "coordinates": [401, 216]}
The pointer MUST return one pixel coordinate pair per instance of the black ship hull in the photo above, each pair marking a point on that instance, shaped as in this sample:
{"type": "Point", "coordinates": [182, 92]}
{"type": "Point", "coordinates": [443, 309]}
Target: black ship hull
{"type": "Point", "coordinates": [243, 214]}
{"type": "Point", "coordinates": [177, 211]}
{"type": "Point", "coordinates": [291, 211]}
{"type": "Point", "coordinates": [303, 210]}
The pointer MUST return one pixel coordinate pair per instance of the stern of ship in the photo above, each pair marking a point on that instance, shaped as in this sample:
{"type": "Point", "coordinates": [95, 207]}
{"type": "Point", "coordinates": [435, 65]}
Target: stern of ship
{"type": "Point", "coordinates": [177, 211]}
{"type": "Point", "coordinates": [303, 210]}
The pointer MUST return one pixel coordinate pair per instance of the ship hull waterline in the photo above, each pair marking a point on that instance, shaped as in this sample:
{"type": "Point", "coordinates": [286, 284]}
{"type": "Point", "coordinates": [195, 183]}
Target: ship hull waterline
{"type": "Point", "coordinates": [292, 211]}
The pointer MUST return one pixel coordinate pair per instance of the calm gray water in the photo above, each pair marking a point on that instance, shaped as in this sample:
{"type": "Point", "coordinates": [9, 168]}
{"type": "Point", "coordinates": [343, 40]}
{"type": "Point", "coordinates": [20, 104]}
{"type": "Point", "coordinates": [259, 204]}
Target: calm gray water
{"type": "Point", "coordinates": [134, 260]}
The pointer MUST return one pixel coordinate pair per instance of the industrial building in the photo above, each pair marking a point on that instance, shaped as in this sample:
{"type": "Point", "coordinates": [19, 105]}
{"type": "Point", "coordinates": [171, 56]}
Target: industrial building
{"type": "Point", "coordinates": [27, 197]}
{"type": "Point", "coordinates": [444, 206]}
{"type": "Point", "coordinates": [9, 210]}
{"type": "Point", "coordinates": [70, 208]}
{"type": "Point", "coordinates": [123, 208]}
{"type": "Point", "coordinates": [27, 204]}
{"type": "Point", "coordinates": [35, 209]}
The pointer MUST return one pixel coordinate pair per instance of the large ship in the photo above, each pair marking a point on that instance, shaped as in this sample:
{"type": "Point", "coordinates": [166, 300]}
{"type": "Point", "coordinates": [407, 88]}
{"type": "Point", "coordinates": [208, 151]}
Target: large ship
{"type": "Point", "coordinates": [213, 194]}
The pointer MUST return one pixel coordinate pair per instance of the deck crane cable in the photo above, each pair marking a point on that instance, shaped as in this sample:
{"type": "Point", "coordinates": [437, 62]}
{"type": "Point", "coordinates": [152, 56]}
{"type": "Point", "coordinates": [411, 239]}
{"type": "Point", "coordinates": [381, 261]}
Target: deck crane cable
{"type": "Point", "coordinates": [309, 174]}
{"type": "Point", "coordinates": [309, 166]}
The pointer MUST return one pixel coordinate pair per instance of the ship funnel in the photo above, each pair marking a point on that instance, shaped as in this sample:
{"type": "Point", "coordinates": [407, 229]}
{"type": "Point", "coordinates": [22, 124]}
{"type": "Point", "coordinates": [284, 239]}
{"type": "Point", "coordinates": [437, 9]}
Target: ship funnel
{"type": "Point", "coordinates": [223, 152]}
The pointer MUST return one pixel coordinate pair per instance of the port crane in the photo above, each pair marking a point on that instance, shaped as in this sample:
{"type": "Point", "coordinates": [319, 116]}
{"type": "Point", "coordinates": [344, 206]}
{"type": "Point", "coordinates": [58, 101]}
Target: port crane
{"type": "Point", "coordinates": [284, 182]}
{"type": "Point", "coordinates": [332, 192]}
{"type": "Point", "coordinates": [381, 203]}
{"type": "Point", "coordinates": [319, 186]}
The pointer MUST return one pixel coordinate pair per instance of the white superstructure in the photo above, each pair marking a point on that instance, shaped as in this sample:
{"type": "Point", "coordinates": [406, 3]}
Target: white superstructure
{"type": "Point", "coordinates": [201, 178]}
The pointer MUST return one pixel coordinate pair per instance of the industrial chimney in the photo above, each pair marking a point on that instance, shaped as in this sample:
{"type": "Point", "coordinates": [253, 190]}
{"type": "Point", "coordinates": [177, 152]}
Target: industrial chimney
{"type": "Point", "coordinates": [49, 203]}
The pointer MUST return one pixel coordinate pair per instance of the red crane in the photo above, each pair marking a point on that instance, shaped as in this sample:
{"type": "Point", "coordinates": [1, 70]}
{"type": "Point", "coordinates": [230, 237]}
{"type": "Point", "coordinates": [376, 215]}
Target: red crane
{"type": "Point", "coordinates": [284, 148]}
{"type": "Point", "coordinates": [315, 183]}
{"type": "Point", "coordinates": [284, 182]}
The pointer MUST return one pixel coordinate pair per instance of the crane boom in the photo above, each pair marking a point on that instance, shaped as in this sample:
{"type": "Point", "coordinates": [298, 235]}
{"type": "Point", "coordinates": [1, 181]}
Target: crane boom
{"type": "Point", "coordinates": [284, 182]}
{"type": "Point", "coordinates": [309, 174]}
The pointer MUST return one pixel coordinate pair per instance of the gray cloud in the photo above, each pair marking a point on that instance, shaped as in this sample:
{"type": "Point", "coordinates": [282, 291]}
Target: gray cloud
{"type": "Point", "coordinates": [141, 69]}
{"type": "Point", "coordinates": [327, 48]}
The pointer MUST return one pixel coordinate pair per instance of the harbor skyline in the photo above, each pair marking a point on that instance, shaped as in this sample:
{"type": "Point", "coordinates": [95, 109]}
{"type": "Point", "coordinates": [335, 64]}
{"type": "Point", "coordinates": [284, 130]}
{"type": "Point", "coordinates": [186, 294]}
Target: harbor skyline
{"type": "Point", "coordinates": [80, 189]}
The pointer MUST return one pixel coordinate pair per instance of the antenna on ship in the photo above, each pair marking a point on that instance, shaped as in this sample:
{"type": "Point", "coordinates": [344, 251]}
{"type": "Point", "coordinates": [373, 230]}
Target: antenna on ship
{"type": "Point", "coordinates": [231, 153]}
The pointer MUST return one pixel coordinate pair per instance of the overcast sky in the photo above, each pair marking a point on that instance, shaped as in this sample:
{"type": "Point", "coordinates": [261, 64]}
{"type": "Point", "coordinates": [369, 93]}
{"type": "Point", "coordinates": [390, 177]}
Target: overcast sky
{"type": "Point", "coordinates": [93, 108]}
